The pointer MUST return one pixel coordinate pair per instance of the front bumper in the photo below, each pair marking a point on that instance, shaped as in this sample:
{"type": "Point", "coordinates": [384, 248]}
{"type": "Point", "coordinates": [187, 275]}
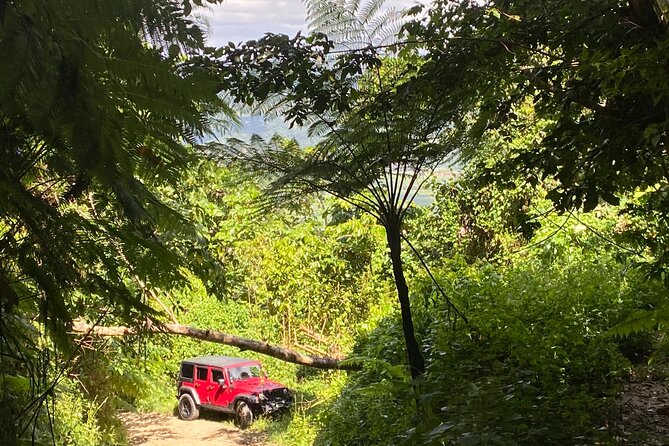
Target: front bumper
{"type": "Point", "coordinates": [272, 406]}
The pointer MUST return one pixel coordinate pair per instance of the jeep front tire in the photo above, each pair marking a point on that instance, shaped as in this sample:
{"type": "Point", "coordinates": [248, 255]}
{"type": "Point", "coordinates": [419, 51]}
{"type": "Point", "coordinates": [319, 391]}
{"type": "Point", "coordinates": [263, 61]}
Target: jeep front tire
{"type": "Point", "coordinates": [187, 408]}
{"type": "Point", "coordinates": [243, 415]}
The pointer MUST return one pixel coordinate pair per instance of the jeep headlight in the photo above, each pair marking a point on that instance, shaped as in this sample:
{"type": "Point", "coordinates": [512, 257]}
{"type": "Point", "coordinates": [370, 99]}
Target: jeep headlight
{"type": "Point", "coordinates": [261, 396]}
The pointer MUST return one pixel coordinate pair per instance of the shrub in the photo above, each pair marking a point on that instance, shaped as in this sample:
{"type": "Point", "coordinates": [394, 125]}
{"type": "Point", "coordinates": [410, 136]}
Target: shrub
{"type": "Point", "coordinates": [534, 366]}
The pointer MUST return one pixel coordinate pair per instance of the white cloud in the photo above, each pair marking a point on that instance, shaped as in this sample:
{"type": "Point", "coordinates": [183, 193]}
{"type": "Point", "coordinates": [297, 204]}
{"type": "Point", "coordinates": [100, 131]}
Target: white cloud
{"type": "Point", "coordinates": [241, 20]}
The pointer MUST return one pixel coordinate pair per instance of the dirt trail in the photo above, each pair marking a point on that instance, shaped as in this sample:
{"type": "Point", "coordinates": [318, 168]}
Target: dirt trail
{"type": "Point", "coordinates": [645, 411]}
{"type": "Point", "coordinates": [165, 430]}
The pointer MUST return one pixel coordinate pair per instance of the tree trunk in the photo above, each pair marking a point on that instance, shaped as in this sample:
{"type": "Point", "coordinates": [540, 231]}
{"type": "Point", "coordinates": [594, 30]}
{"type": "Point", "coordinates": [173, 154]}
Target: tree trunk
{"type": "Point", "coordinates": [284, 354]}
{"type": "Point", "coordinates": [415, 357]}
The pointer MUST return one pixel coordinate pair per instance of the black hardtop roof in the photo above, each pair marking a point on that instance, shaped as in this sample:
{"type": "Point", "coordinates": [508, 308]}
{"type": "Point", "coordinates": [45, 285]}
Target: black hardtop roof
{"type": "Point", "coordinates": [217, 361]}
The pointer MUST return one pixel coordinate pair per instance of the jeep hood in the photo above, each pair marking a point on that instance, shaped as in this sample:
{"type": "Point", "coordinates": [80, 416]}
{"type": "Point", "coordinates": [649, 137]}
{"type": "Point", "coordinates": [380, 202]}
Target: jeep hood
{"type": "Point", "coordinates": [257, 385]}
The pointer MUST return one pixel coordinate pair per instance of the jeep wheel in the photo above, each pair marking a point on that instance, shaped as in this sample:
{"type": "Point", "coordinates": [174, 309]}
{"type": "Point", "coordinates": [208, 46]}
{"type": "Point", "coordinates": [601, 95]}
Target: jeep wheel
{"type": "Point", "coordinates": [187, 408]}
{"type": "Point", "coordinates": [243, 415]}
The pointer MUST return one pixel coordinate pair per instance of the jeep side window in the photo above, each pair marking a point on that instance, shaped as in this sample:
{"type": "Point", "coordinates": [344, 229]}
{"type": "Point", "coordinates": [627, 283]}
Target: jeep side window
{"type": "Point", "coordinates": [245, 372]}
{"type": "Point", "coordinates": [216, 375]}
{"type": "Point", "coordinates": [202, 373]}
{"type": "Point", "coordinates": [187, 371]}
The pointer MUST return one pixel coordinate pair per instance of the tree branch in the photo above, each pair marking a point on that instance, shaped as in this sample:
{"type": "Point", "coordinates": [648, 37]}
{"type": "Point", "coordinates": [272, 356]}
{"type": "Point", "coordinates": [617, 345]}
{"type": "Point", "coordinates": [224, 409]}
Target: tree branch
{"type": "Point", "coordinates": [81, 327]}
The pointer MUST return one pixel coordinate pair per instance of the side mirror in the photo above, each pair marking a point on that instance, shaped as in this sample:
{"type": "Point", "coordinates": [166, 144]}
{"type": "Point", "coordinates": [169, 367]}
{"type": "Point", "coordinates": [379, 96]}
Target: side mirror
{"type": "Point", "coordinates": [221, 382]}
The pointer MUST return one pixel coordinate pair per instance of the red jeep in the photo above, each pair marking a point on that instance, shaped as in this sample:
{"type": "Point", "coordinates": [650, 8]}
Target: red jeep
{"type": "Point", "coordinates": [234, 385]}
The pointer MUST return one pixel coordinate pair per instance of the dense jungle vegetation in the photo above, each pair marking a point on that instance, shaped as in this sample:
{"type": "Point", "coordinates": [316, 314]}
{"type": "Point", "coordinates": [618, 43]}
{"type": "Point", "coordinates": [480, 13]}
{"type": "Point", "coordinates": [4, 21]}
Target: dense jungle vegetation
{"type": "Point", "coordinates": [515, 309]}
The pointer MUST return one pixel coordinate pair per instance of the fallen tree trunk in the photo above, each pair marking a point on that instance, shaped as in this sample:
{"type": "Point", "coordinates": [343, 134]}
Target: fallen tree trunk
{"type": "Point", "coordinates": [81, 327]}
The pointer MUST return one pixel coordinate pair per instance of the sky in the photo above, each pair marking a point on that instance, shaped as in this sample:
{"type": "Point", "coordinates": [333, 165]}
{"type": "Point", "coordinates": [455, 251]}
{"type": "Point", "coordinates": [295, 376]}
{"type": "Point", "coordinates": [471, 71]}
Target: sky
{"type": "Point", "coordinates": [241, 20]}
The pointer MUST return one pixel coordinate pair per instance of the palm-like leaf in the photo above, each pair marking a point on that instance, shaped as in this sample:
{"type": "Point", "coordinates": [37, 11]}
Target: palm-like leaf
{"type": "Point", "coordinates": [354, 24]}
{"type": "Point", "coordinates": [95, 114]}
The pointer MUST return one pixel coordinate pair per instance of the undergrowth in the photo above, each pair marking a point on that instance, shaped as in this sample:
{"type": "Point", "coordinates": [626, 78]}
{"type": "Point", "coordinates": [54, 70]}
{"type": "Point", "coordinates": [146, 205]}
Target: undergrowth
{"type": "Point", "coordinates": [535, 364]}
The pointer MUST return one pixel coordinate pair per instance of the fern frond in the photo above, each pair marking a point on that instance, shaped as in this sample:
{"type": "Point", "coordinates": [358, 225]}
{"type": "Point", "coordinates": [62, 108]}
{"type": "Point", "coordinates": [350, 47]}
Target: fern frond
{"type": "Point", "coordinates": [640, 321]}
{"type": "Point", "coordinates": [366, 12]}
{"type": "Point", "coordinates": [354, 24]}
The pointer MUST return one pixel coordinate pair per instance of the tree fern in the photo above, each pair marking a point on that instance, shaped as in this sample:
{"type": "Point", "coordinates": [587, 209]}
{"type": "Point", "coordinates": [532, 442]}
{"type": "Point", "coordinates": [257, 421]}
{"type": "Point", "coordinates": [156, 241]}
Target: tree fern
{"type": "Point", "coordinates": [375, 153]}
{"type": "Point", "coordinates": [99, 103]}
{"type": "Point", "coordinates": [354, 24]}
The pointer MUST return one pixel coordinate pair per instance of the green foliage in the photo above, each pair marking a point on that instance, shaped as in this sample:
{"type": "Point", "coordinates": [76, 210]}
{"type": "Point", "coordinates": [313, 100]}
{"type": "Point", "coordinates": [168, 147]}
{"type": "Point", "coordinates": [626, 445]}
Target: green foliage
{"type": "Point", "coordinates": [478, 223]}
{"type": "Point", "coordinates": [597, 131]}
{"type": "Point", "coordinates": [301, 426]}
{"type": "Point", "coordinates": [591, 73]}
{"type": "Point", "coordinates": [116, 109]}
{"type": "Point", "coordinates": [536, 365]}
{"type": "Point", "coordinates": [591, 68]}
{"type": "Point", "coordinates": [68, 415]}
{"type": "Point", "coordinates": [79, 421]}
{"type": "Point", "coordinates": [323, 269]}
{"type": "Point", "coordinates": [95, 115]}
{"type": "Point", "coordinates": [323, 277]}
{"type": "Point", "coordinates": [376, 149]}
{"type": "Point", "coordinates": [642, 320]}
{"type": "Point", "coordinates": [107, 215]}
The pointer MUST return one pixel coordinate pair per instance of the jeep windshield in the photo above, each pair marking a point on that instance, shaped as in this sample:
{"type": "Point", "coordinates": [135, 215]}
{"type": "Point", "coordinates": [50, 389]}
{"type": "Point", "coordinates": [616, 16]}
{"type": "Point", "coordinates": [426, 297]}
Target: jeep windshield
{"type": "Point", "coordinates": [245, 372]}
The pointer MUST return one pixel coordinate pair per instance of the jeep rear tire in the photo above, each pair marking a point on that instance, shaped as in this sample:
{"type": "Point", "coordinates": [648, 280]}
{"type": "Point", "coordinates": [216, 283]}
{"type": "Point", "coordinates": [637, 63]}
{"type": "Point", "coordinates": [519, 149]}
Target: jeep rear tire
{"type": "Point", "coordinates": [187, 408]}
{"type": "Point", "coordinates": [243, 415]}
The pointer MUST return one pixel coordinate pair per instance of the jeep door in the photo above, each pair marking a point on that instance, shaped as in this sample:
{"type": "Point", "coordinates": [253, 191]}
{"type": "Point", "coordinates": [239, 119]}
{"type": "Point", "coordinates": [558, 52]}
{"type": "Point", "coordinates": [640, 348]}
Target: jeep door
{"type": "Point", "coordinates": [201, 383]}
{"type": "Point", "coordinates": [220, 396]}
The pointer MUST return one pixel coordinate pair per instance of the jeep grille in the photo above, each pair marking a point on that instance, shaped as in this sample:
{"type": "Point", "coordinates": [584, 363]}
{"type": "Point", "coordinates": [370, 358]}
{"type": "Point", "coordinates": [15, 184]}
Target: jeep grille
{"type": "Point", "coordinates": [282, 394]}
